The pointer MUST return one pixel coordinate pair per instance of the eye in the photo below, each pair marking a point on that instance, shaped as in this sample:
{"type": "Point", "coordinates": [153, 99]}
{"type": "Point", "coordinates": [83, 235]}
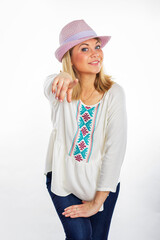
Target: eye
{"type": "Point", "coordinates": [99, 46]}
{"type": "Point", "coordinates": [83, 49]}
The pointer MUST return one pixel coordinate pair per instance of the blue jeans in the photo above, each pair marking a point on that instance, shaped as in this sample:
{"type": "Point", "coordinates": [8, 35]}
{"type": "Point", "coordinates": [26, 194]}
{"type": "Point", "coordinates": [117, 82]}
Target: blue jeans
{"type": "Point", "coordinates": [95, 227]}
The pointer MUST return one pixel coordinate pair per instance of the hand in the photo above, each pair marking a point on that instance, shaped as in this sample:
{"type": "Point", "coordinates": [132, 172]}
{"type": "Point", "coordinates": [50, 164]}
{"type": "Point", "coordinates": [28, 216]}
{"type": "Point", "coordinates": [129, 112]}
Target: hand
{"type": "Point", "coordinates": [65, 84]}
{"type": "Point", "coordinates": [87, 209]}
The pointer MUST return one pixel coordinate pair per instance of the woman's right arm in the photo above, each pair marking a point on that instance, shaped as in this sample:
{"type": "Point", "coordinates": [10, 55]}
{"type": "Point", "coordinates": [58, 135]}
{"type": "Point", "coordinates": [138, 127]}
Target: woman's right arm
{"type": "Point", "coordinates": [47, 86]}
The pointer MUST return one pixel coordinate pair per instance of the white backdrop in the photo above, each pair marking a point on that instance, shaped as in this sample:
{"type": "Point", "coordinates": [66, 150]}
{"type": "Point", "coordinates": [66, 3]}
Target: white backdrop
{"type": "Point", "coordinates": [29, 35]}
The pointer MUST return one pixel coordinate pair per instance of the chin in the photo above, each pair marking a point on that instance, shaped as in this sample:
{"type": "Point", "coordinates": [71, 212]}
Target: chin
{"type": "Point", "coordinates": [90, 71]}
{"type": "Point", "coordinates": [96, 71]}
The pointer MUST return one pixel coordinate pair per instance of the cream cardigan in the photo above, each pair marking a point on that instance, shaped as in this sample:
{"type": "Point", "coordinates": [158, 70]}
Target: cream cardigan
{"type": "Point", "coordinates": [87, 144]}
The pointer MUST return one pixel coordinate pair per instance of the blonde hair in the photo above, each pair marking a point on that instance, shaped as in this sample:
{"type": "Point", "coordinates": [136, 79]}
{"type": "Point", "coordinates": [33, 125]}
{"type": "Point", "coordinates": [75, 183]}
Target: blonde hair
{"type": "Point", "coordinates": [102, 83]}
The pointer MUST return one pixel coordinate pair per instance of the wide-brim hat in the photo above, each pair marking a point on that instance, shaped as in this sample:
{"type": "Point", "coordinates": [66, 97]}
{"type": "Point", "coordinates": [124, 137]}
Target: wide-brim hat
{"type": "Point", "coordinates": [74, 33]}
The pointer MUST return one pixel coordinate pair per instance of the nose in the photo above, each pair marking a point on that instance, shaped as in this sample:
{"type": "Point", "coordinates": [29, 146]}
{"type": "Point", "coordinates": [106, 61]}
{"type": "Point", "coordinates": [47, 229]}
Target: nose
{"type": "Point", "coordinates": [94, 53]}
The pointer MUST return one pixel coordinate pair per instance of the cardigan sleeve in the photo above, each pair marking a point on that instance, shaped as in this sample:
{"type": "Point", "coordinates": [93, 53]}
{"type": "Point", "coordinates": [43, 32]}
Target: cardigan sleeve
{"type": "Point", "coordinates": [47, 86]}
{"type": "Point", "coordinates": [115, 140]}
{"type": "Point", "coordinates": [54, 103]}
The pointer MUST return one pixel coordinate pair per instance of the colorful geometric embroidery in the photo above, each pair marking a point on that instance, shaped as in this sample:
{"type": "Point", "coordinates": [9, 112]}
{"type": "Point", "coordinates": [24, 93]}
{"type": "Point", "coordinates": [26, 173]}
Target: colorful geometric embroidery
{"type": "Point", "coordinates": [82, 142]}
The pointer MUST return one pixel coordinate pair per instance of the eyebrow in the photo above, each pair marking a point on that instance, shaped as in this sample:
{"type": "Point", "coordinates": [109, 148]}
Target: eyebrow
{"type": "Point", "coordinates": [88, 44]}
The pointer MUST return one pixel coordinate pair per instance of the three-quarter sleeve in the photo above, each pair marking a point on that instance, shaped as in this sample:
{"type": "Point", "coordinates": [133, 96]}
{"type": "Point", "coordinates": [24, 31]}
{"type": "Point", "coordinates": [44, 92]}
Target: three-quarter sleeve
{"type": "Point", "coordinates": [54, 103]}
{"type": "Point", "coordinates": [47, 86]}
{"type": "Point", "coordinates": [115, 140]}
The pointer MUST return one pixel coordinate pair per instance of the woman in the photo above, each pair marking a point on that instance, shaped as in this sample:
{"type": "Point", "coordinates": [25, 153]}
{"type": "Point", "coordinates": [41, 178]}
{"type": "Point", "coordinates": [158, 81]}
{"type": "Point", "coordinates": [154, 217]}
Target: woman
{"type": "Point", "coordinates": [88, 142]}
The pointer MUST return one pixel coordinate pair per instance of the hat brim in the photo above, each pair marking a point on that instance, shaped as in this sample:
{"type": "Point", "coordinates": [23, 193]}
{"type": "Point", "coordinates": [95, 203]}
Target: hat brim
{"type": "Point", "coordinates": [59, 53]}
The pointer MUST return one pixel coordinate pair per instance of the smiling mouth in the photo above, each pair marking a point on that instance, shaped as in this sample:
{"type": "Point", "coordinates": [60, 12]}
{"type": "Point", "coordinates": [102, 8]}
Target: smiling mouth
{"type": "Point", "coordinates": [94, 62]}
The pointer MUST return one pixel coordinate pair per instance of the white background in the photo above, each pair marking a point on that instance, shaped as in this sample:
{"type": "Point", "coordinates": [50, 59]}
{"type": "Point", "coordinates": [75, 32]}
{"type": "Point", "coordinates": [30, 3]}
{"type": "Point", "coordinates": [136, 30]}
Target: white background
{"type": "Point", "coordinates": [29, 35]}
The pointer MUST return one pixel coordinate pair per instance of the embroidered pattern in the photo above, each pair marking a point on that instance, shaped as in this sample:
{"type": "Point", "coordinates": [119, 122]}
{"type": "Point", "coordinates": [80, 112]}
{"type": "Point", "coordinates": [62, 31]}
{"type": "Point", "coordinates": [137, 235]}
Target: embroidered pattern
{"type": "Point", "coordinates": [82, 142]}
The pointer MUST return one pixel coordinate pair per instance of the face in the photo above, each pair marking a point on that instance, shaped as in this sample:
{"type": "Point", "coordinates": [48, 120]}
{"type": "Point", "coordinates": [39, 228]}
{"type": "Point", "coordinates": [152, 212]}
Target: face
{"type": "Point", "coordinates": [87, 57]}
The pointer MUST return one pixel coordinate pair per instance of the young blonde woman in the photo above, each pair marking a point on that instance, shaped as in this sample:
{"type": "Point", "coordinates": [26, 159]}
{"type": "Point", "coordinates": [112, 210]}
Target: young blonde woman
{"type": "Point", "coordinates": [88, 141]}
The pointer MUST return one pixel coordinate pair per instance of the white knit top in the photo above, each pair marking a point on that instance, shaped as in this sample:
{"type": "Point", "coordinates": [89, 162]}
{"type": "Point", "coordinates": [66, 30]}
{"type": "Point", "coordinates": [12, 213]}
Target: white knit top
{"type": "Point", "coordinates": [87, 144]}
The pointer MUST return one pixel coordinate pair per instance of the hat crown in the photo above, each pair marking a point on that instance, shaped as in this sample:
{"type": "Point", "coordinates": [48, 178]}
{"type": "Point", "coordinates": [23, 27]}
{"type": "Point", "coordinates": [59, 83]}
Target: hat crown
{"type": "Point", "coordinates": [74, 28]}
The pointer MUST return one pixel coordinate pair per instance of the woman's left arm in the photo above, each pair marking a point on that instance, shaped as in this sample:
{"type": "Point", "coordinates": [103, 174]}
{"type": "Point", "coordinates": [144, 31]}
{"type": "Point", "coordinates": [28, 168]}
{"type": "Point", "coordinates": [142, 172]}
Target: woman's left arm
{"type": "Point", "coordinates": [115, 140]}
{"type": "Point", "coordinates": [114, 146]}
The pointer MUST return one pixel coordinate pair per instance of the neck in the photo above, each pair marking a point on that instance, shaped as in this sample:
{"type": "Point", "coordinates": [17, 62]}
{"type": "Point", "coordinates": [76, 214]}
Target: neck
{"type": "Point", "coordinates": [87, 83]}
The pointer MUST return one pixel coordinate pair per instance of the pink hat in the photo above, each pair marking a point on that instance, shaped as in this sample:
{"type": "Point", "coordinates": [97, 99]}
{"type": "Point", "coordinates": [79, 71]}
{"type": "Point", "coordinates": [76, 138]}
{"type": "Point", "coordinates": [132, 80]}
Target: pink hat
{"type": "Point", "coordinates": [74, 33]}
